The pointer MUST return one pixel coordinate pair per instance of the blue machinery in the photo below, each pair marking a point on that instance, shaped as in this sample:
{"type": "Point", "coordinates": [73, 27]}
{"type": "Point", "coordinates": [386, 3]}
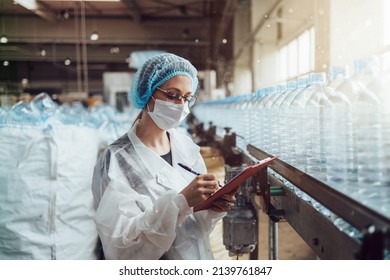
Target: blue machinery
{"type": "Point", "coordinates": [369, 237]}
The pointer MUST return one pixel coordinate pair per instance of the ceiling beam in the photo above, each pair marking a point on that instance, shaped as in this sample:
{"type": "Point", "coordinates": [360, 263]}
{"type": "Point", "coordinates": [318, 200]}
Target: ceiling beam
{"type": "Point", "coordinates": [134, 9]}
{"type": "Point", "coordinates": [144, 42]}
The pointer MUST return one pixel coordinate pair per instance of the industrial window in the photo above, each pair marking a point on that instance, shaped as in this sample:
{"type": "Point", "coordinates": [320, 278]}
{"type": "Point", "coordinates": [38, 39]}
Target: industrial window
{"type": "Point", "coordinates": [386, 35]}
{"type": "Point", "coordinates": [386, 23]}
{"type": "Point", "coordinates": [297, 57]}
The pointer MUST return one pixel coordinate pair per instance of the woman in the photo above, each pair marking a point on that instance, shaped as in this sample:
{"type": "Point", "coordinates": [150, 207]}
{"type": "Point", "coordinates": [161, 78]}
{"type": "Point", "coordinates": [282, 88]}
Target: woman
{"type": "Point", "coordinates": [144, 199]}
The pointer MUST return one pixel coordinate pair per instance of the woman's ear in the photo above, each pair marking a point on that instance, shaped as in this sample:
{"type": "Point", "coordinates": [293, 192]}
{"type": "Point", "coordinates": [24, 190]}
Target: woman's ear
{"type": "Point", "coordinates": [149, 107]}
{"type": "Point", "coordinates": [139, 116]}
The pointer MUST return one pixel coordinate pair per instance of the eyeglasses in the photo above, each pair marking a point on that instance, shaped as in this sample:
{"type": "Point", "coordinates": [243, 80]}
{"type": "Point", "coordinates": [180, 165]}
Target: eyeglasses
{"type": "Point", "coordinates": [173, 95]}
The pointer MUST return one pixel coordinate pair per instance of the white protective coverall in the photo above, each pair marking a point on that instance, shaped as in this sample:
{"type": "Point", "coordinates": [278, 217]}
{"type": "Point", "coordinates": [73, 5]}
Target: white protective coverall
{"type": "Point", "coordinates": [140, 213]}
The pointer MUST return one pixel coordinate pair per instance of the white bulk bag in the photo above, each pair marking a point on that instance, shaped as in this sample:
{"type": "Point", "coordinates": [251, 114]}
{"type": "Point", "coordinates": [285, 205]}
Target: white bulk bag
{"type": "Point", "coordinates": [46, 203]}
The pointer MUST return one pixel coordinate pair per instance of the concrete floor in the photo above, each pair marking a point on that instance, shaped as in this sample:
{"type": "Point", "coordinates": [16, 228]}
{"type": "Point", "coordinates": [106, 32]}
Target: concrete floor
{"type": "Point", "coordinates": [290, 244]}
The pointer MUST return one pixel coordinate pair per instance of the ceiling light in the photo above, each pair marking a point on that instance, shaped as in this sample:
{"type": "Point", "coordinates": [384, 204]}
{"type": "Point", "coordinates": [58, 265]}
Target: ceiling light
{"type": "Point", "coordinates": [114, 50]}
{"type": "Point", "coordinates": [67, 61]}
{"type": "Point", "coordinates": [65, 14]}
{"type": "Point", "coordinates": [5, 63]}
{"type": "Point", "coordinates": [94, 36]}
{"type": "Point", "coordinates": [3, 39]}
{"type": "Point", "coordinates": [24, 83]}
{"type": "Point", "coordinates": [42, 52]}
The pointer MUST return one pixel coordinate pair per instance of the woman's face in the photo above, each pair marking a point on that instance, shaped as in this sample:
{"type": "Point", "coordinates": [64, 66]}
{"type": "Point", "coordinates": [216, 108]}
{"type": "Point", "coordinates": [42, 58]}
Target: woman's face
{"type": "Point", "coordinates": [178, 84]}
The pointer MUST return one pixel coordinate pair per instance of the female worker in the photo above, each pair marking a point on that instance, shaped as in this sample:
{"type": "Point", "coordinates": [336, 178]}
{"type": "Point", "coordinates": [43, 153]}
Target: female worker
{"type": "Point", "coordinates": [144, 199]}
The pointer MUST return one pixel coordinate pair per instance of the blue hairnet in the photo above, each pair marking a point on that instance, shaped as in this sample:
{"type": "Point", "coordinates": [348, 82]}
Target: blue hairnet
{"type": "Point", "coordinates": [155, 72]}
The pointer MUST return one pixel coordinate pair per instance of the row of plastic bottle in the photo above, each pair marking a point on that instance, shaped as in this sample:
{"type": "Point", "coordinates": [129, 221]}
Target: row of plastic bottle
{"type": "Point", "coordinates": [42, 111]}
{"type": "Point", "coordinates": [337, 131]}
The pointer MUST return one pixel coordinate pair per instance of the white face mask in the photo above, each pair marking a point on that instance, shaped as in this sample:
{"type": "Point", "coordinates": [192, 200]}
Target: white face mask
{"type": "Point", "coordinates": [167, 115]}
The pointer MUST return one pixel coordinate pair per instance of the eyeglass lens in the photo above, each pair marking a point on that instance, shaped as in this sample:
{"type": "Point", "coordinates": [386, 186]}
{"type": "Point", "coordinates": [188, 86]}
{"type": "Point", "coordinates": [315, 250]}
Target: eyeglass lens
{"type": "Point", "coordinates": [177, 95]}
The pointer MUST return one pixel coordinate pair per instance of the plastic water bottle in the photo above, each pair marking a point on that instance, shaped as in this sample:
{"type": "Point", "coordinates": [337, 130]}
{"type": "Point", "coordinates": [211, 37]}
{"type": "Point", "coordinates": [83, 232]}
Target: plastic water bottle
{"type": "Point", "coordinates": [337, 76]}
{"type": "Point", "coordinates": [385, 144]}
{"type": "Point", "coordinates": [273, 119]}
{"type": "Point", "coordinates": [265, 118]}
{"type": "Point", "coordinates": [278, 124]}
{"type": "Point", "coordinates": [71, 114]}
{"type": "Point", "coordinates": [308, 106]}
{"type": "Point", "coordinates": [379, 84]}
{"type": "Point", "coordinates": [367, 125]}
{"type": "Point", "coordinates": [248, 103]}
{"type": "Point", "coordinates": [347, 88]}
{"type": "Point", "coordinates": [250, 113]}
{"type": "Point", "coordinates": [257, 123]}
{"type": "Point", "coordinates": [237, 114]}
{"type": "Point", "coordinates": [289, 124]}
{"type": "Point", "coordinates": [228, 114]}
{"type": "Point", "coordinates": [337, 127]}
{"type": "Point", "coordinates": [43, 104]}
{"type": "Point", "coordinates": [22, 113]}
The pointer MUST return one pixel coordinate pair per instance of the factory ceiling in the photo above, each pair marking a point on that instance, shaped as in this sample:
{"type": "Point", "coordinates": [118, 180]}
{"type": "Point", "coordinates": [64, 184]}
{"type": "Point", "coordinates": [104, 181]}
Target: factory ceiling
{"type": "Point", "coordinates": [43, 33]}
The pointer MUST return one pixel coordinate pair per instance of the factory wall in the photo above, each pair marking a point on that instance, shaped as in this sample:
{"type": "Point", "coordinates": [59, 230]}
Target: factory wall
{"type": "Point", "coordinates": [355, 33]}
{"type": "Point", "coordinates": [338, 28]}
{"type": "Point", "coordinates": [242, 66]}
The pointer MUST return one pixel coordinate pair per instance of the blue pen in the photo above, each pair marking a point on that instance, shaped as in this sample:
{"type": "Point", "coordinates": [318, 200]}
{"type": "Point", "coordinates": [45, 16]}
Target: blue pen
{"type": "Point", "coordinates": [192, 171]}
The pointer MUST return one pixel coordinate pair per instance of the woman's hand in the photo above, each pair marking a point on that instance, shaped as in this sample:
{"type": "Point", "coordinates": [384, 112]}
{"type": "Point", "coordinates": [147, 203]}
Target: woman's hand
{"type": "Point", "coordinates": [225, 202]}
{"type": "Point", "coordinates": [200, 189]}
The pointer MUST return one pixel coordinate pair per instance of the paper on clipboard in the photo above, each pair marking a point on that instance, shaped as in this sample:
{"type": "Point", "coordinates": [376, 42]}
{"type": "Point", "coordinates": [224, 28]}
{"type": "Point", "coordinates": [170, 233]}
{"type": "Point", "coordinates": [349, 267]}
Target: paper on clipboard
{"type": "Point", "coordinates": [234, 183]}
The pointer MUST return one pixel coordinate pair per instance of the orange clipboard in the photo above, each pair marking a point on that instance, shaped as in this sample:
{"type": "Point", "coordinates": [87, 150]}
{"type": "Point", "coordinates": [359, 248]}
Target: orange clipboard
{"type": "Point", "coordinates": [234, 183]}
